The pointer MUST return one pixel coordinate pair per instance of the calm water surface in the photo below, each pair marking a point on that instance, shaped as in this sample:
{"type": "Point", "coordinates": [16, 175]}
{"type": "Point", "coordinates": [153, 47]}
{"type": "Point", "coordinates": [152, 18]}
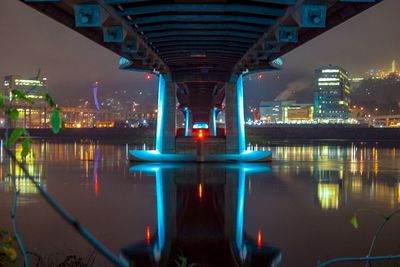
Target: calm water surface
{"type": "Point", "coordinates": [298, 206]}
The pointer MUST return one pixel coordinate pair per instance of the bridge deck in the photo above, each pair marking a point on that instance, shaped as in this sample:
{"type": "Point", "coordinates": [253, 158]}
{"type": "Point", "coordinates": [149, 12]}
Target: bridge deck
{"type": "Point", "coordinates": [200, 44]}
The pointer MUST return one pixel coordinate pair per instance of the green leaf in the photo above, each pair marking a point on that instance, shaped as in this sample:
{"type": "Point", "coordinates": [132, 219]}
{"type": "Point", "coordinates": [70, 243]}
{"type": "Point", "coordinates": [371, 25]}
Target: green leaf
{"type": "Point", "coordinates": [16, 133]}
{"type": "Point", "coordinates": [49, 100]}
{"type": "Point", "coordinates": [354, 222]}
{"type": "Point", "coordinates": [55, 121]}
{"type": "Point", "coordinates": [14, 114]}
{"type": "Point", "coordinates": [26, 147]}
{"type": "Point", "coordinates": [10, 241]}
{"type": "Point", "coordinates": [22, 96]}
{"type": "Point", "coordinates": [1, 100]}
{"type": "Point", "coordinates": [10, 252]}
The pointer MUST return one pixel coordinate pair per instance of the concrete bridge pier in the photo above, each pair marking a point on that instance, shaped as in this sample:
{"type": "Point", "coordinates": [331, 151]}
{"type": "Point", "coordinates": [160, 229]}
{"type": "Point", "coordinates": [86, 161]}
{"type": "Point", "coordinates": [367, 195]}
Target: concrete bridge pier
{"type": "Point", "coordinates": [165, 133]}
{"type": "Point", "coordinates": [234, 117]}
{"type": "Point", "coordinates": [188, 122]}
{"type": "Point", "coordinates": [213, 121]}
{"type": "Point", "coordinates": [166, 140]}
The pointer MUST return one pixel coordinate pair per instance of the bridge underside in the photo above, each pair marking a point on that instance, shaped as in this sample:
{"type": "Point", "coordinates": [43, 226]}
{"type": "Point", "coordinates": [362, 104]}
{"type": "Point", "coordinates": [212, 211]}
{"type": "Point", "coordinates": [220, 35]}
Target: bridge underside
{"type": "Point", "coordinates": [201, 49]}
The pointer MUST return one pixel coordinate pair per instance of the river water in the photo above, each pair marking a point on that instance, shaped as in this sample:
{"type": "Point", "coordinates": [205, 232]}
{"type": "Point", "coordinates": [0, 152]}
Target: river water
{"type": "Point", "coordinates": [296, 209]}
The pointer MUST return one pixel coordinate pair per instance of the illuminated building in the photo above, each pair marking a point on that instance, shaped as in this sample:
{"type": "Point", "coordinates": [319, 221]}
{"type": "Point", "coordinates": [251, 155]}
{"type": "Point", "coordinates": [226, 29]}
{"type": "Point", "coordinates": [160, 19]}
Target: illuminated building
{"type": "Point", "coordinates": [392, 120]}
{"type": "Point", "coordinates": [382, 74]}
{"type": "Point", "coordinates": [273, 111]}
{"type": "Point", "coordinates": [34, 115]}
{"type": "Point", "coordinates": [103, 118]}
{"type": "Point", "coordinates": [332, 94]}
{"type": "Point", "coordinates": [91, 117]}
{"type": "Point", "coordinates": [298, 113]}
{"type": "Point", "coordinates": [285, 112]}
{"type": "Point", "coordinates": [356, 81]}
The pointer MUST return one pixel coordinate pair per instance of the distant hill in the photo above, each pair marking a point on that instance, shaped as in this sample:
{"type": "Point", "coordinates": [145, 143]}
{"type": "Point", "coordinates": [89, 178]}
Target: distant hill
{"type": "Point", "coordinates": [383, 94]}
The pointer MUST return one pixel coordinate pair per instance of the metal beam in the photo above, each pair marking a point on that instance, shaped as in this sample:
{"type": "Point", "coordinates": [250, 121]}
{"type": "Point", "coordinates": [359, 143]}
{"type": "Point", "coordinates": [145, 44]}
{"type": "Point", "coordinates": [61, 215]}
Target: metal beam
{"type": "Point", "coordinates": [188, 76]}
{"type": "Point", "coordinates": [200, 26]}
{"type": "Point", "coordinates": [205, 39]}
{"type": "Point", "coordinates": [289, 12]}
{"type": "Point", "coordinates": [207, 54]}
{"type": "Point", "coordinates": [286, 2]}
{"type": "Point", "coordinates": [203, 43]}
{"type": "Point", "coordinates": [190, 48]}
{"type": "Point", "coordinates": [283, 2]}
{"type": "Point", "coordinates": [195, 33]}
{"type": "Point", "coordinates": [111, 11]}
{"type": "Point", "coordinates": [201, 18]}
{"type": "Point", "coordinates": [193, 8]}
{"type": "Point", "coordinates": [217, 59]}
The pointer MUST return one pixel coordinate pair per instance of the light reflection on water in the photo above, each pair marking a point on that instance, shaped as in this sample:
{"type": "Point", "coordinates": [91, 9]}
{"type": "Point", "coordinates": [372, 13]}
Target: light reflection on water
{"type": "Point", "coordinates": [307, 187]}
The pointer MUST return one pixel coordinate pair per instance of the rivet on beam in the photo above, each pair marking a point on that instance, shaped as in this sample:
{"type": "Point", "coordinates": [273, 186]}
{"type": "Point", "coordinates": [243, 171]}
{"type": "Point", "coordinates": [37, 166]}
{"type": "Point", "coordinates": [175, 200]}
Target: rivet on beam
{"type": "Point", "coordinates": [113, 34]}
{"type": "Point", "coordinates": [130, 46]}
{"type": "Point", "coordinates": [287, 34]}
{"type": "Point", "coordinates": [88, 15]}
{"type": "Point", "coordinates": [311, 16]}
{"type": "Point", "coordinates": [271, 46]}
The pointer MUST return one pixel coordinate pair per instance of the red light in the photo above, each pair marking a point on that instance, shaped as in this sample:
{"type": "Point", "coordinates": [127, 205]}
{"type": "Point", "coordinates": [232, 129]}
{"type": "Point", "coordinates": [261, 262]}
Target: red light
{"type": "Point", "coordinates": [148, 234]}
{"type": "Point", "coordinates": [259, 238]}
{"type": "Point", "coordinates": [200, 191]}
{"type": "Point", "coordinates": [96, 185]}
{"type": "Point", "coordinates": [200, 135]}
{"type": "Point", "coordinates": [148, 76]}
{"type": "Point", "coordinates": [260, 76]}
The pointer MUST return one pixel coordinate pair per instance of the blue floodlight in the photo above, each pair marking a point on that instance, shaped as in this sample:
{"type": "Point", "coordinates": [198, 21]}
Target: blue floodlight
{"type": "Point", "coordinates": [200, 125]}
{"type": "Point", "coordinates": [240, 106]}
{"type": "Point", "coordinates": [160, 113]}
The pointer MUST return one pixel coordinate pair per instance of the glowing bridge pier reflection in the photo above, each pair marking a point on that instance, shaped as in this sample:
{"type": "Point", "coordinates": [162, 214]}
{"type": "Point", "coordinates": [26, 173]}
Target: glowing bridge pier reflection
{"type": "Point", "coordinates": [186, 219]}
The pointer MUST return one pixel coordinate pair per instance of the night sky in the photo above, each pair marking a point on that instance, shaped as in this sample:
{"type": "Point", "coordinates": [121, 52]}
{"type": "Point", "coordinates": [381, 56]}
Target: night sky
{"type": "Point", "coordinates": [71, 62]}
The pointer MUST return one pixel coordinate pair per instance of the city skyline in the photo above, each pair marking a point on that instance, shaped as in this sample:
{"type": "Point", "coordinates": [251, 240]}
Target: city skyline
{"type": "Point", "coordinates": [44, 38]}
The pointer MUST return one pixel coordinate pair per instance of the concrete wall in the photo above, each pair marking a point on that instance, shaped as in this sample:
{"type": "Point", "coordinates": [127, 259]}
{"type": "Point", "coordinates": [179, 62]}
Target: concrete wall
{"type": "Point", "coordinates": [188, 145]}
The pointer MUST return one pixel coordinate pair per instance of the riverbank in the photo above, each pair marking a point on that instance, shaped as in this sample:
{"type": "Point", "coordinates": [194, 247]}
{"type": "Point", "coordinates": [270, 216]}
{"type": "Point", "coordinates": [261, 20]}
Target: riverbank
{"type": "Point", "coordinates": [254, 135]}
{"type": "Point", "coordinates": [266, 135]}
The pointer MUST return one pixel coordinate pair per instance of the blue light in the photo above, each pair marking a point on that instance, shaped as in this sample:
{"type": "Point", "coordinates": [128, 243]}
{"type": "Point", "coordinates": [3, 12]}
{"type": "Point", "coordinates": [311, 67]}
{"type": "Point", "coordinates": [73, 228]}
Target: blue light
{"type": "Point", "coordinates": [160, 112]}
{"type": "Point", "coordinates": [123, 61]}
{"type": "Point", "coordinates": [187, 121]}
{"type": "Point", "coordinates": [241, 133]}
{"type": "Point", "coordinates": [200, 125]}
{"type": "Point", "coordinates": [214, 121]}
{"type": "Point", "coordinates": [95, 87]}
{"type": "Point", "coordinates": [240, 214]}
{"type": "Point", "coordinates": [160, 210]}
{"type": "Point", "coordinates": [278, 61]}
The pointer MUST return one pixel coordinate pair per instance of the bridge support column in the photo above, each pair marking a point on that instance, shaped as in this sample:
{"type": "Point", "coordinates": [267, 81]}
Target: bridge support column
{"type": "Point", "coordinates": [165, 133]}
{"type": "Point", "coordinates": [188, 122]}
{"type": "Point", "coordinates": [212, 124]}
{"type": "Point", "coordinates": [234, 117]}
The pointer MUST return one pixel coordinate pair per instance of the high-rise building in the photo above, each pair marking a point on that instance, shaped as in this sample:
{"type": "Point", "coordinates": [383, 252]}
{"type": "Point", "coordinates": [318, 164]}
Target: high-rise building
{"type": "Point", "coordinates": [332, 94]}
{"type": "Point", "coordinates": [33, 88]}
{"type": "Point", "coordinates": [34, 115]}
